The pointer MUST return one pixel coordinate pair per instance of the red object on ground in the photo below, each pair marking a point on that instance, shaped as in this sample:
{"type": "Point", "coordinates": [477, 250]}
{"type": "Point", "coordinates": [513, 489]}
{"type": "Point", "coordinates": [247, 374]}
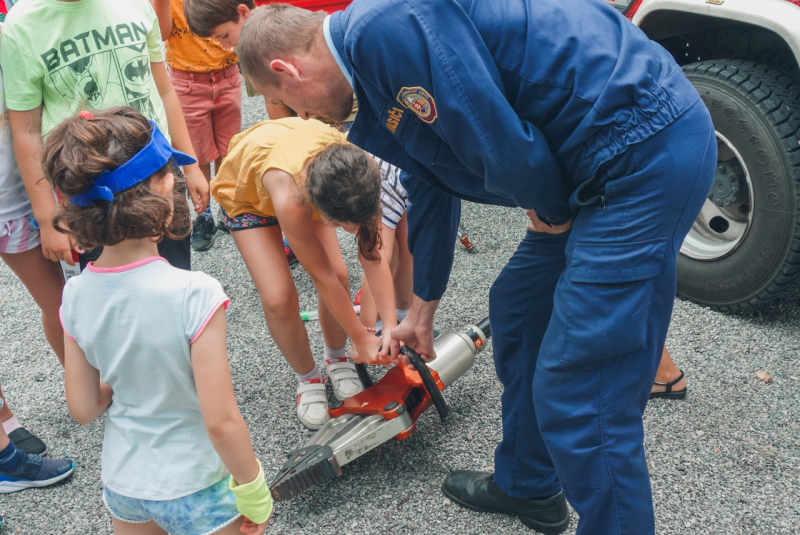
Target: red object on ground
{"type": "Point", "coordinates": [314, 5]}
{"type": "Point", "coordinates": [399, 389]}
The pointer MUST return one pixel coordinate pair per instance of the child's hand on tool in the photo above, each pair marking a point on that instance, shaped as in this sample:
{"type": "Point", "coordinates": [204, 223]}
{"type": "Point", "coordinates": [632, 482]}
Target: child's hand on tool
{"type": "Point", "coordinates": [368, 350]}
{"type": "Point", "coordinates": [385, 361]}
{"type": "Point", "coordinates": [386, 337]}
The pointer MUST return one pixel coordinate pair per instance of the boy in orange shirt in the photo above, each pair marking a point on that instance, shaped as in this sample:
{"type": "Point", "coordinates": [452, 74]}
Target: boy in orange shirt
{"type": "Point", "coordinates": [208, 83]}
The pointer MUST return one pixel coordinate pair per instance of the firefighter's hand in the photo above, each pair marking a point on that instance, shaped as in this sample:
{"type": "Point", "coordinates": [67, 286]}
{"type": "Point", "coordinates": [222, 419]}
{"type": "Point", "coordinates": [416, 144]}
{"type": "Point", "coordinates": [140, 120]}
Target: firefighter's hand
{"type": "Point", "coordinates": [417, 336]}
{"type": "Point", "coordinates": [536, 225]}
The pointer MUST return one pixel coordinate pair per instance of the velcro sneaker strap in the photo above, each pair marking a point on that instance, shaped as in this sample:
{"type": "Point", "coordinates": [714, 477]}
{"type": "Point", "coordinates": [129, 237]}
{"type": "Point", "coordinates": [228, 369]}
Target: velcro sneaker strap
{"type": "Point", "coordinates": [342, 370]}
{"type": "Point", "coordinates": [311, 391]}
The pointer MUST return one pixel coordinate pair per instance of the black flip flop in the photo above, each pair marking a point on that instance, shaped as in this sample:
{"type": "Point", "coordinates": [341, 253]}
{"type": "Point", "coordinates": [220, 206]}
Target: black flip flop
{"type": "Point", "coordinates": [669, 393]}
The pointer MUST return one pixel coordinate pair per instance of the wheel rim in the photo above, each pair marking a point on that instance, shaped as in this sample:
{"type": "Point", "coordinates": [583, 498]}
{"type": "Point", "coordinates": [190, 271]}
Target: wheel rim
{"type": "Point", "coordinates": [721, 228]}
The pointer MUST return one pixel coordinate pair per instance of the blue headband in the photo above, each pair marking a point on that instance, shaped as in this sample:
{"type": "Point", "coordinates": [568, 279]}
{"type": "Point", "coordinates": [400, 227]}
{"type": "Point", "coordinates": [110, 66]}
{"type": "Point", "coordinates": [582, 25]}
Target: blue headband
{"type": "Point", "coordinates": [142, 166]}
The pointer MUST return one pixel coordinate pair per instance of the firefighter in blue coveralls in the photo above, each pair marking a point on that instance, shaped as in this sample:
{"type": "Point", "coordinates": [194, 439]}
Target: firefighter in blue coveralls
{"type": "Point", "coordinates": [566, 109]}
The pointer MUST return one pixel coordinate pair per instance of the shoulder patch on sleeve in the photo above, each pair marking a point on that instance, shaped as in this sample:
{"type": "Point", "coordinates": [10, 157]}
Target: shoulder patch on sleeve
{"type": "Point", "coordinates": [419, 101]}
{"type": "Point", "coordinates": [394, 119]}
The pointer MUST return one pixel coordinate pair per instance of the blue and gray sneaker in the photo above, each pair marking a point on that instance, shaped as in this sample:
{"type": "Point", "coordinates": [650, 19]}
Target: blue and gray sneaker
{"type": "Point", "coordinates": [34, 471]}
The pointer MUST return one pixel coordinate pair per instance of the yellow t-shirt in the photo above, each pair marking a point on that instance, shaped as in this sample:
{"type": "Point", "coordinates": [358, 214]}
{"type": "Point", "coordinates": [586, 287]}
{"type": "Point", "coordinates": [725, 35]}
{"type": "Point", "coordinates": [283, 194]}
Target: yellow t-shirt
{"type": "Point", "coordinates": [189, 52]}
{"type": "Point", "coordinates": [283, 144]}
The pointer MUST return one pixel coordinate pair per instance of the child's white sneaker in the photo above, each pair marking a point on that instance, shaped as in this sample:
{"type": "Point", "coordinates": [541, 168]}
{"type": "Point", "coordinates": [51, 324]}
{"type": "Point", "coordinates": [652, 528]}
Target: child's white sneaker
{"type": "Point", "coordinates": [344, 378]}
{"type": "Point", "coordinates": [312, 403]}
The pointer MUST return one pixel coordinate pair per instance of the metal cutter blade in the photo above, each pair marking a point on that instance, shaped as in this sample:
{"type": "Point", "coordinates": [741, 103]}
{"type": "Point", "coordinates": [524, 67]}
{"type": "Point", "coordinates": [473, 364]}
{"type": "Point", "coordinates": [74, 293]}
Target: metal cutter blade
{"type": "Point", "coordinates": [338, 442]}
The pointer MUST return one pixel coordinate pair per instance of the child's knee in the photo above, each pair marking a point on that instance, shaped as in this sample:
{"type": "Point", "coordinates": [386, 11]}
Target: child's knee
{"type": "Point", "coordinates": [281, 305]}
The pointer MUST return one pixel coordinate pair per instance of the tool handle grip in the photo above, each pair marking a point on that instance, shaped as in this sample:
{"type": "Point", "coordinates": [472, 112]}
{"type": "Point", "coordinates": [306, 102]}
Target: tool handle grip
{"type": "Point", "coordinates": [363, 375]}
{"type": "Point", "coordinates": [484, 326]}
{"type": "Point", "coordinates": [430, 385]}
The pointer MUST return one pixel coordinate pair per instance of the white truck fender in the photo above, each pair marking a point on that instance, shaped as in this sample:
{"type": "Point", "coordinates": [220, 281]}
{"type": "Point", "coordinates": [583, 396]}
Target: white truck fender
{"type": "Point", "coordinates": [780, 16]}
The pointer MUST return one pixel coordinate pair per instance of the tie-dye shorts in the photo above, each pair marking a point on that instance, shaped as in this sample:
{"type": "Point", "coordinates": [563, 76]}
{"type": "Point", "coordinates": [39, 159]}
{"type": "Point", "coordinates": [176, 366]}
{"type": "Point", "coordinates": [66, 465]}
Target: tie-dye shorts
{"type": "Point", "coordinates": [202, 513]}
{"type": "Point", "coordinates": [19, 235]}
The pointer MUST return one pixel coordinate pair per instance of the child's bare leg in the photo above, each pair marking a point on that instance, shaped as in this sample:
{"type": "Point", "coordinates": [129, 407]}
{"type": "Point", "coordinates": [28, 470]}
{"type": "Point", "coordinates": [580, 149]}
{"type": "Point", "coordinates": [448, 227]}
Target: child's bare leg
{"type": "Point", "coordinates": [129, 528]}
{"type": "Point", "coordinates": [5, 412]}
{"type": "Point", "coordinates": [342, 374]}
{"type": "Point", "coordinates": [263, 254]}
{"type": "Point", "coordinates": [4, 440]}
{"type": "Point", "coordinates": [217, 163]}
{"type": "Point", "coordinates": [332, 332]}
{"type": "Point", "coordinates": [45, 282]}
{"type": "Point", "coordinates": [206, 170]}
{"type": "Point", "coordinates": [403, 272]}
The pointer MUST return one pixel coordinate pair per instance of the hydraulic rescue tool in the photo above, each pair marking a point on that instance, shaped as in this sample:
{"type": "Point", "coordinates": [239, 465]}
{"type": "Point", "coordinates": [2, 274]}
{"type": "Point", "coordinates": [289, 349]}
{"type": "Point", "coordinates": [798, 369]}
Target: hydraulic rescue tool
{"type": "Point", "coordinates": [385, 410]}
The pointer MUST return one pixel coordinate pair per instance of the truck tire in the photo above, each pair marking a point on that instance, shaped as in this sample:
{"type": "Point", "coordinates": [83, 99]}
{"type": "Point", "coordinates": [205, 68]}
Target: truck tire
{"type": "Point", "coordinates": [780, 60]}
{"type": "Point", "coordinates": [744, 248]}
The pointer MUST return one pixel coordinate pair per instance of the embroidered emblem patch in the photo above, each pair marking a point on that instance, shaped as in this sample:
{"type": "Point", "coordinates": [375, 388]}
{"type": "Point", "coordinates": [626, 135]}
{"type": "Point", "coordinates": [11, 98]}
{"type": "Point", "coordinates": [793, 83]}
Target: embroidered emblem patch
{"type": "Point", "coordinates": [419, 101]}
{"type": "Point", "coordinates": [393, 119]}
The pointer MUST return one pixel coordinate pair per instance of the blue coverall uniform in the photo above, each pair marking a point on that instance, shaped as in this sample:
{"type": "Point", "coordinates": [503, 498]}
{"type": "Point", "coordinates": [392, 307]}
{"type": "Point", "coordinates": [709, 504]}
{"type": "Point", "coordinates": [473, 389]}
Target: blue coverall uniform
{"type": "Point", "coordinates": [565, 107]}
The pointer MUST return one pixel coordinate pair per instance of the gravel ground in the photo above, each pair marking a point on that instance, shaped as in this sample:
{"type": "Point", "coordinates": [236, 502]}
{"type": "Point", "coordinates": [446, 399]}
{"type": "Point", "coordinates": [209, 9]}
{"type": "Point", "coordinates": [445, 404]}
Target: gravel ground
{"type": "Point", "coordinates": [725, 461]}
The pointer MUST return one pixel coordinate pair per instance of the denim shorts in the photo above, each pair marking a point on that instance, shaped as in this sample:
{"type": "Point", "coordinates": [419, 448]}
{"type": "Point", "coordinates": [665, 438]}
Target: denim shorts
{"type": "Point", "coordinates": [202, 513]}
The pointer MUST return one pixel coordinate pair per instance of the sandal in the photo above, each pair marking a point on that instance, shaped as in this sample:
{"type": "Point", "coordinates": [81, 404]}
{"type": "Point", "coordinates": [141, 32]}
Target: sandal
{"type": "Point", "coordinates": [669, 393]}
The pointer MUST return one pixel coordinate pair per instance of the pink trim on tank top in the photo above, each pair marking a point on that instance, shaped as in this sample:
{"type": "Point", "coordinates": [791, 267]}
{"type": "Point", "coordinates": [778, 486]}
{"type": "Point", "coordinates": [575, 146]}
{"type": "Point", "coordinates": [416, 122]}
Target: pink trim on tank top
{"type": "Point", "coordinates": [61, 319]}
{"type": "Point", "coordinates": [224, 303]}
{"type": "Point", "coordinates": [127, 267]}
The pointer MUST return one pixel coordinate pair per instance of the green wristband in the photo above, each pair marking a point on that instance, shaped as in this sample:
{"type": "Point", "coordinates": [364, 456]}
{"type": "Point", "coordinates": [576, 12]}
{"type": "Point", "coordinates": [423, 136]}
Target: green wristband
{"type": "Point", "coordinates": [253, 500]}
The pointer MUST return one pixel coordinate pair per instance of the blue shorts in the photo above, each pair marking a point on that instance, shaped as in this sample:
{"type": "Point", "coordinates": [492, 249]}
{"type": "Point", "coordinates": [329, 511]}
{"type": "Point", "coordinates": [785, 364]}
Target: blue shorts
{"type": "Point", "coordinates": [202, 513]}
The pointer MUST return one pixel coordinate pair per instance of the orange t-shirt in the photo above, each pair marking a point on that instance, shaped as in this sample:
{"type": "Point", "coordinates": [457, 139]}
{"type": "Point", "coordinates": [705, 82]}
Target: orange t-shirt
{"type": "Point", "coordinates": [189, 52]}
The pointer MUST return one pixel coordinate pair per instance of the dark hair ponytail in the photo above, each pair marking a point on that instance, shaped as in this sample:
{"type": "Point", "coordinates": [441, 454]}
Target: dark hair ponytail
{"type": "Point", "coordinates": [344, 183]}
{"type": "Point", "coordinates": [79, 150]}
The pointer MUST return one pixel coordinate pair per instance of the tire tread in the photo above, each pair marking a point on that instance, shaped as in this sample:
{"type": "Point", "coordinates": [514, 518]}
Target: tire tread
{"type": "Point", "coordinates": [777, 95]}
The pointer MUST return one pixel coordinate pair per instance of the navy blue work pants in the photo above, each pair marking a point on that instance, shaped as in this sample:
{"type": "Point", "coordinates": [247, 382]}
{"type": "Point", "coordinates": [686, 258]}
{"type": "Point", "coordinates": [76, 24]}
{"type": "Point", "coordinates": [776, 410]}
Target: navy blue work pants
{"type": "Point", "coordinates": [579, 321]}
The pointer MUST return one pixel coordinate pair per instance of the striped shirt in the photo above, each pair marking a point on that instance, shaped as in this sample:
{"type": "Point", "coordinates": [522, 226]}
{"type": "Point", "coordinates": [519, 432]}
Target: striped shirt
{"type": "Point", "coordinates": [394, 198]}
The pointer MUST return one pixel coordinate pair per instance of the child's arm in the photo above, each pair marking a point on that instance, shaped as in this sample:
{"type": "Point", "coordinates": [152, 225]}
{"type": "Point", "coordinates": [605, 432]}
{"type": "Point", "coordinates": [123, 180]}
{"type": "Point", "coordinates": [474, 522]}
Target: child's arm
{"type": "Point", "coordinates": [161, 7]}
{"type": "Point", "coordinates": [381, 287]}
{"type": "Point", "coordinates": [369, 312]}
{"type": "Point", "coordinates": [223, 421]}
{"type": "Point", "coordinates": [26, 127]}
{"type": "Point", "coordinates": [87, 397]}
{"type": "Point", "coordinates": [296, 223]}
{"type": "Point", "coordinates": [196, 183]}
